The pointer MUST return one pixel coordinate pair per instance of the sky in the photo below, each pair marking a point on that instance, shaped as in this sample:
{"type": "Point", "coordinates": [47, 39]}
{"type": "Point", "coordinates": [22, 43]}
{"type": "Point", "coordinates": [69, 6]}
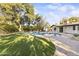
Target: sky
{"type": "Point", "coordinates": [54, 12]}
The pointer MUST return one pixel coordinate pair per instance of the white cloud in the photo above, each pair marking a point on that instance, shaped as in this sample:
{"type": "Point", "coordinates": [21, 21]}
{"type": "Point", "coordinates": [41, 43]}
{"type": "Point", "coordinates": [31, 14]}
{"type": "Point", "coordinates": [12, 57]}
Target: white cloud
{"type": "Point", "coordinates": [53, 15]}
{"type": "Point", "coordinates": [52, 18]}
{"type": "Point", "coordinates": [61, 8]}
{"type": "Point", "coordinates": [52, 6]}
{"type": "Point", "coordinates": [65, 11]}
{"type": "Point", "coordinates": [36, 11]}
{"type": "Point", "coordinates": [60, 11]}
{"type": "Point", "coordinates": [66, 8]}
{"type": "Point", "coordinates": [75, 12]}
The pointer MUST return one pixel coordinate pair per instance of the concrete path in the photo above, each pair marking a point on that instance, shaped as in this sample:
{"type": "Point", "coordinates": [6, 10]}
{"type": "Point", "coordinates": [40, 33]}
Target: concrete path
{"type": "Point", "coordinates": [65, 45]}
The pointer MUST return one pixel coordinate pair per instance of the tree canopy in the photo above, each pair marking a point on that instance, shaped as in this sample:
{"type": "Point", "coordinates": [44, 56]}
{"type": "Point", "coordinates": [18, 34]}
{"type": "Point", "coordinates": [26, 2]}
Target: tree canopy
{"type": "Point", "coordinates": [19, 14]}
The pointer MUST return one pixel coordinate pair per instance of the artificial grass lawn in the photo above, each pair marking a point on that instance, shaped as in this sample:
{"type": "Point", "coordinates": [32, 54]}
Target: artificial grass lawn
{"type": "Point", "coordinates": [25, 45]}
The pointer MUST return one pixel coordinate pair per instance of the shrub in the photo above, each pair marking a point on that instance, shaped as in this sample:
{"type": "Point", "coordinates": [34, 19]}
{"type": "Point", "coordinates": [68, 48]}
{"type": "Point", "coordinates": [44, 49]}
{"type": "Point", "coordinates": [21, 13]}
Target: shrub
{"type": "Point", "coordinates": [9, 28]}
{"type": "Point", "coordinates": [76, 35]}
{"type": "Point", "coordinates": [28, 28]}
{"type": "Point", "coordinates": [25, 28]}
{"type": "Point", "coordinates": [25, 45]}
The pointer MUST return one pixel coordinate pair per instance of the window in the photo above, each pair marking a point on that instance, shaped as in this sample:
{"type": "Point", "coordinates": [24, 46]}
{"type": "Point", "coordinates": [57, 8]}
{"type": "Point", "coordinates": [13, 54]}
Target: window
{"type": "Point", "coordinates": [73, 27]}
{"type": "Point", "coordinates": [55, 29]}
{"type": "Point", "coordinates": [78, 27]}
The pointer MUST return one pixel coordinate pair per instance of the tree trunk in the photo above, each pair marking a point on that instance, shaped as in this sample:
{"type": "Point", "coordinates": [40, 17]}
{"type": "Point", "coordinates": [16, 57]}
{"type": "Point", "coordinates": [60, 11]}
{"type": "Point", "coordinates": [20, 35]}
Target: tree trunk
{"type": "Point", "coordinates": [20, 28]}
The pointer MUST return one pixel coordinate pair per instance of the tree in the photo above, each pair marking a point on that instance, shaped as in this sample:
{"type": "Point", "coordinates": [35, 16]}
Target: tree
{"type": "Point", "coordinates": [18, 14]}
{"type": "Point", "coordinates": [40, 23]}
{"type": "Point", "coordinates": [73, 19]}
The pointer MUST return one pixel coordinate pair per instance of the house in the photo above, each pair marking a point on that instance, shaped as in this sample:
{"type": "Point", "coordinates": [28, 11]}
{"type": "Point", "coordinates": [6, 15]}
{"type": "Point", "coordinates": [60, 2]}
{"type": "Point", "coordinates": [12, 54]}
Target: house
{"type": "Point", "coordinates": [67, 27]}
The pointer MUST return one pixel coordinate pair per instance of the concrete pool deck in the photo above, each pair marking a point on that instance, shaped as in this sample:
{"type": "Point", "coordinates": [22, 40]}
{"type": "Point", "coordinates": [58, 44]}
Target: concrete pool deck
{"type": "Point", "coordinates": [65, 46]}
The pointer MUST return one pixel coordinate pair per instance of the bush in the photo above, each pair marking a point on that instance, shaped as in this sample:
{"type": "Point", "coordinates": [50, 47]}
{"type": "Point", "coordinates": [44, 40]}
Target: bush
{"type": "Point", "coordinates": [25, 28]}
{"type": "Point", "coordinates": [25, 45]}
{"type": "Point", "coordinates": [28, 28]}
{"type": "Point", "coordinates": [76, 35]}
{"type": "Point", "coordinates": [9, 28]}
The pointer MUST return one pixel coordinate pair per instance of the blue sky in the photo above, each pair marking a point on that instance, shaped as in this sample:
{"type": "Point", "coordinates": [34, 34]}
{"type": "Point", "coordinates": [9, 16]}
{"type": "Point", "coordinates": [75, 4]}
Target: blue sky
{"type": "Point", "coordinates": [54, 12]}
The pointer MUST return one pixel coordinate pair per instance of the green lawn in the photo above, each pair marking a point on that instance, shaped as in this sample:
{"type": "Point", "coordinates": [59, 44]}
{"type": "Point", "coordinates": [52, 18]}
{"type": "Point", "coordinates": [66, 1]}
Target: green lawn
{"type": "Point", "coordinates": [25, 45]}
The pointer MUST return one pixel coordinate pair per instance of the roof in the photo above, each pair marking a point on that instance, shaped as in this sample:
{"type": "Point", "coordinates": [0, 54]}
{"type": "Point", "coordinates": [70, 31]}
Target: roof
{"type": "Point", "coordinates": [69, 24]}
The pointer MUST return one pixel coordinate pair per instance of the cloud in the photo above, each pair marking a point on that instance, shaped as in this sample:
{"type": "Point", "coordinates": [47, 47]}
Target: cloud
{"type": "Point", "coordinates": [61, 12]}
{"type": "Point", "coordinates": [75, 12]}
{"type": "Point", "coordinates": [36, 11]}
{"type": "Point", "coordinates": [66, 8]}
{"type": "Point", "coordinates": [53, 15]}
{"type": "Point", "coordinates": [52, 7]}
{"type": "Point", "coordinates": [52, 18]}
{"type": "Point", "coordinates": [60, 8]}
{"type": "Point", "coordinates": [55, 12]}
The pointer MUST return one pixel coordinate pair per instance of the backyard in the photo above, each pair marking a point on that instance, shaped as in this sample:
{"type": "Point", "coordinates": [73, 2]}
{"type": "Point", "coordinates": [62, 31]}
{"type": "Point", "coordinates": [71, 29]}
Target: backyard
{"type": "Point", "coordinates": [26, 32]}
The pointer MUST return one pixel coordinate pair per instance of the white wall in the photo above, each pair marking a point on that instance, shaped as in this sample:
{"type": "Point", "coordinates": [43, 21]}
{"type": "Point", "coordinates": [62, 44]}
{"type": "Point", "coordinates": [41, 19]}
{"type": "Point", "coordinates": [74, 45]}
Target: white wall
{"type": "Point", "coordinates": [69, 29]}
